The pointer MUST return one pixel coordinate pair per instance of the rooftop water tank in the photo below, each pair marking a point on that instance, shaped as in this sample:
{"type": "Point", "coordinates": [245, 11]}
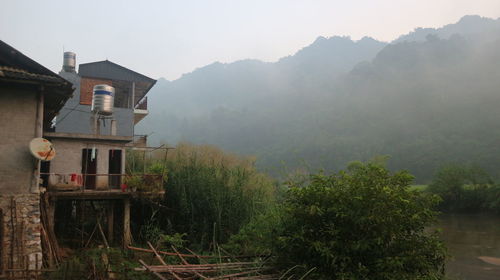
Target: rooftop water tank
{"type": "Point", "coordinates": [69, 62]}
{"type": "Point", "coordinates": [102, 100]}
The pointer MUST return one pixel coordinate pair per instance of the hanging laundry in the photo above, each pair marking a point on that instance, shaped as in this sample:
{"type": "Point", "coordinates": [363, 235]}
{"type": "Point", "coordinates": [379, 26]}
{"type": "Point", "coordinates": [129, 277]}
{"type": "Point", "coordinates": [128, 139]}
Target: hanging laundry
{"type": "Point", "coordinates": [92, 155]}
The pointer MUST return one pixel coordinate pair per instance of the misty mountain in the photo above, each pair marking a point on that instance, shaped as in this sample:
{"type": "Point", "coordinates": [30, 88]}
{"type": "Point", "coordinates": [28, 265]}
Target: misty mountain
{"type": "Point", "coordinates": [252, 84]}
{"type": "Point", "coordinates": [467, 25]}
{"type": "Point", "coordinates": [423, 102]}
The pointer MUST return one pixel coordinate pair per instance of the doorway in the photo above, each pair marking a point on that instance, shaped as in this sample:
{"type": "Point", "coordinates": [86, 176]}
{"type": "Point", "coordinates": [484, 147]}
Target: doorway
{"type": "Point", "coordinates": [115, 168]}
{"type": "Point", "coordinates": [45, 169]}
{"type": "Point", "coordinates": [89, 168]}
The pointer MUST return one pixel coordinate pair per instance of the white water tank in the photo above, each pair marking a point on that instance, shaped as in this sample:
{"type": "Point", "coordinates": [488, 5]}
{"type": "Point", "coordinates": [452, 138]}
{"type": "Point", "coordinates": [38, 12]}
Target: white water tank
{"type": "Point", "coordinates": [69, 62]}
{"type": "Point", "coordinates": [103, 100]}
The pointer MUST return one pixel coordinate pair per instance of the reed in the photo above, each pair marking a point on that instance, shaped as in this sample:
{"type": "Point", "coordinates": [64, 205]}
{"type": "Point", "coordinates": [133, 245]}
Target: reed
{"type": "Point", "coordinates": [210, 194]}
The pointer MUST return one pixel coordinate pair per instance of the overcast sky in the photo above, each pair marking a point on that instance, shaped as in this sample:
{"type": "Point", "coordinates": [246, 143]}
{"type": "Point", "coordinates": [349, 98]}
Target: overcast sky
{"type": "Point", "coordinates": [169, 38]}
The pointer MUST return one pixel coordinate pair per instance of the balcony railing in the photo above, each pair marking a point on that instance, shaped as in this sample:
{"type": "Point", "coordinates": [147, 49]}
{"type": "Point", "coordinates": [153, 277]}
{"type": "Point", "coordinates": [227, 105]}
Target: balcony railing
{"type": "Point", "coordinates": [115, 182]}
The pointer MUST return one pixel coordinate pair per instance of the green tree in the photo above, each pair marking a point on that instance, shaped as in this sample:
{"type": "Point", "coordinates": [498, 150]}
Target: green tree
{"type": "Point", "coordinates": [363, 223]}
{"type": "Point", "coordinates": [462, 187]}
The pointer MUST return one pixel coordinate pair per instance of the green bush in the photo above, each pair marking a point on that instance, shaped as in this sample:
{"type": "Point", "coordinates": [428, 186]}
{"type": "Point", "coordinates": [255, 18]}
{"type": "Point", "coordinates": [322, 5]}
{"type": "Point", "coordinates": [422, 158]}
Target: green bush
{"type": "Point", "coordinates": [363, 223]}
{"type": "Point", "coordinates": [258, 236]}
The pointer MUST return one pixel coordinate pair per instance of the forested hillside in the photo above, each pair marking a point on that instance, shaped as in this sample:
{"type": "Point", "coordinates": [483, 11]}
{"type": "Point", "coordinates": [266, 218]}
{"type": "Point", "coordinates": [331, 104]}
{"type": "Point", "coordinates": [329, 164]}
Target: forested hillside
{"type": "Point", "coordinates": [428, 98]}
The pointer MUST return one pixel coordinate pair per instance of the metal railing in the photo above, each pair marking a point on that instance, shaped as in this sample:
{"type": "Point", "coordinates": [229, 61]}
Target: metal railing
{"type": "Point", "coordinates": [81, 182]}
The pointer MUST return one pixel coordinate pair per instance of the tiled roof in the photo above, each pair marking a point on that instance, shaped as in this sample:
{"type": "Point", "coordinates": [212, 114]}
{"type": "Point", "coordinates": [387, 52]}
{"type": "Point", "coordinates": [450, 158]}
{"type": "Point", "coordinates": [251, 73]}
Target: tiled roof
{"type": "Point", "coordinates": [15, 73]}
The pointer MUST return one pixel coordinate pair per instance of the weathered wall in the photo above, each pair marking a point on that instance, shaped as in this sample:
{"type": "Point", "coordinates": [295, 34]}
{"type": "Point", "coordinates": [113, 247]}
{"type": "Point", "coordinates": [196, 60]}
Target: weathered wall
{"type": "Point", "coordinates": [21, 228]}
{"type": "Point", "coordinates": [69, 157]}
{"type": "Point", "coordinates": [22, 245]}
{"type": "Point", "coordinates": [18, 115]}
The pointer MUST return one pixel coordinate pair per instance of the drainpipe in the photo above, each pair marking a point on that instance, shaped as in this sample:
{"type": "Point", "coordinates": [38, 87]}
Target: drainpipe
{"type": "Point", "coordinates": [38, 133]}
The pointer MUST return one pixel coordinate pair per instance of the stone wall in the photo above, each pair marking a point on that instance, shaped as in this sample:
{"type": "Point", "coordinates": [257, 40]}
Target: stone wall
{"type": "Point", "coordinates": [21, 246]}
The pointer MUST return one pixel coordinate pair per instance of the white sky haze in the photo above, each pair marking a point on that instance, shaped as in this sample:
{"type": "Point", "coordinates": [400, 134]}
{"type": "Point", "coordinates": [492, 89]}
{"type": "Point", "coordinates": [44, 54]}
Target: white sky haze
{"type": "Point", "coordinates": [169, 38]}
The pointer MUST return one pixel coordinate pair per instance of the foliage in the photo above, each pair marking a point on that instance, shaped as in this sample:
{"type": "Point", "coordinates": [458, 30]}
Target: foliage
{"type": "Point", "coordinates": [492, 202]}
{"type": "Point", "coordinates": [99, 264]}
{"type": "Point", "coordinates": [133, 182]}
{"type": "Point", "coordinates": [210, 195]}
{"type": "Point", "coordinates": [257, 237]}
{"type": "Point", "coordinates": [213, 193]}
{"type": "Point", "coordinates": [363, 223]}
{"type": "Point", "coordinates": [177, 240]}
{"type": "Point", "coordinates": [151, 231]}
{"type": "Point", "coordinates": [463, 188]}
{"type": "Point", "coordinates": [145, 173]}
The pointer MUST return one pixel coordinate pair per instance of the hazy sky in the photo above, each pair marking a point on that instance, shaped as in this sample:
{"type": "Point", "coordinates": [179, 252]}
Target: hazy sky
{"type": "Point", "coordinates": [169, 38]}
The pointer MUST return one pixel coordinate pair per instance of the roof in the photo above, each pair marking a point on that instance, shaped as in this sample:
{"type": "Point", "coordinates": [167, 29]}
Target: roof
{"type": "Point", "coordinates": [18, 69]}
{"type": "Point", "coordinates": [15, 73]}
{"type": "Point", "coordinates": [109, 70]}
{"type": "Point", "coordinates": [84, 66]}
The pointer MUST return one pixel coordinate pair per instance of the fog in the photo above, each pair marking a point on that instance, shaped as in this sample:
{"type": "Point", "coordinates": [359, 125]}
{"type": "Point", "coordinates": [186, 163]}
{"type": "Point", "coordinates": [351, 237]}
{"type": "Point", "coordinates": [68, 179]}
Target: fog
{"type": "Point", "coordinates": [429, 97]}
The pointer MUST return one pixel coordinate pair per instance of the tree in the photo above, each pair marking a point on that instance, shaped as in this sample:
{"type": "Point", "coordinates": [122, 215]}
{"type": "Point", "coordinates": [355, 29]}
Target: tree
{"type": "Point", "coordinates": [363, 223]}
{"type": "Point", "coordinates": [462, 187]}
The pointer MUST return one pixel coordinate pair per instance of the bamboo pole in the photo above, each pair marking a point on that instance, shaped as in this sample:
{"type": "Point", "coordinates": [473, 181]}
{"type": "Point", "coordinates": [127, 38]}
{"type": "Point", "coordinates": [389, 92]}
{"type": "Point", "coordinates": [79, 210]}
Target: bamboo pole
{"type": "Point", "coordinates": [156, 273]}
{"type": "Point", "coordinates": [156, 254]}
{"type": "Point", "coordinates": [190, 256]}
{"type": "Point", "coordinates": [102, 234]}
{"type": "Point", "coordinates": [186, 263]}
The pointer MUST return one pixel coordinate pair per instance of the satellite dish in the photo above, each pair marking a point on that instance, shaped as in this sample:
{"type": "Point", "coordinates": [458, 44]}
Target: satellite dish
{"type": "Point", "coordinates": [42, 149]}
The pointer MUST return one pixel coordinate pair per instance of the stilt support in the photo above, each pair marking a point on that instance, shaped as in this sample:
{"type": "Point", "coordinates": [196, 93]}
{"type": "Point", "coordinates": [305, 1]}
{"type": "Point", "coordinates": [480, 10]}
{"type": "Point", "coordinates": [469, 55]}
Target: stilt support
{"type": "Point", "coordinates": [127, 236]}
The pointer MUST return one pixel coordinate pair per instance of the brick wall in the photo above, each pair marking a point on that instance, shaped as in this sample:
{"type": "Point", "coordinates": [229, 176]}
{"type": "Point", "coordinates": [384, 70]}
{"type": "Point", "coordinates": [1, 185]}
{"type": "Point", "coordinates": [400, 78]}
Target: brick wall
{"type": "Point", "coordinates": [87, 88]}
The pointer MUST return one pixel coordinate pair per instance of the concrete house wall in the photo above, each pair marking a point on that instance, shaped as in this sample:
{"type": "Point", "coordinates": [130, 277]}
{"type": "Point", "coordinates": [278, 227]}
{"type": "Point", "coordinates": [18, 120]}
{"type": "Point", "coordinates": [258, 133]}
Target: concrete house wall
{"type": "Point", "coordinates": [71, 161]}
{"type": "Point", "coordinates": [18, 115]}
{"type": "Point", "coordinates": [76, 118]}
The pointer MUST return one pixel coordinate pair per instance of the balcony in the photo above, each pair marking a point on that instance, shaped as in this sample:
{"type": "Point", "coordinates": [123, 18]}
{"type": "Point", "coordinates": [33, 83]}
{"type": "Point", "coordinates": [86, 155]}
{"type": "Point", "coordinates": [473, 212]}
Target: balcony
{"type": "Point", "coordinates": [141, 110]}
{"type": "Point", "coordinates": [101, 186]}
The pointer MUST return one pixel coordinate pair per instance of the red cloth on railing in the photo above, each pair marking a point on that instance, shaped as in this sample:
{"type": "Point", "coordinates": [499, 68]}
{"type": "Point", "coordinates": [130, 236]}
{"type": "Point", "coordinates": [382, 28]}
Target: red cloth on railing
{"type": "Point", "coordinates": [77, 179]}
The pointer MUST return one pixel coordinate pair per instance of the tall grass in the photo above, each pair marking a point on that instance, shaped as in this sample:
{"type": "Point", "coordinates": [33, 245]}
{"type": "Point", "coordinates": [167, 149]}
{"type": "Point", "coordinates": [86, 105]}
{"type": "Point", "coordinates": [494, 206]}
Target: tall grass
{"type": "Point", "coordinates": [210, 194]}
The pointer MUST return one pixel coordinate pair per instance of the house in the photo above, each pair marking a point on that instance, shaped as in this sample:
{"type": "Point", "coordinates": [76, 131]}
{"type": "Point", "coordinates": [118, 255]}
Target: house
{"type": "Point", "coordinates": [94, 146]}
{"type": "Point", "coordinates": [30, 97]}
{"type": "Point", "coordinates": [78, 135]}
{"type": "Point", "coordinates": [38, 197]}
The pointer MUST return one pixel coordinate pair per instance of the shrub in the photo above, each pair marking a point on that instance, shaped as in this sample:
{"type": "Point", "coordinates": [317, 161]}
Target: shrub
{"type": "Point", "coordinates": [363, 223]}
{"type": "Point", "coordinates": [258, 236]}
{"type": "Point", "coordinates": [462, 188]}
